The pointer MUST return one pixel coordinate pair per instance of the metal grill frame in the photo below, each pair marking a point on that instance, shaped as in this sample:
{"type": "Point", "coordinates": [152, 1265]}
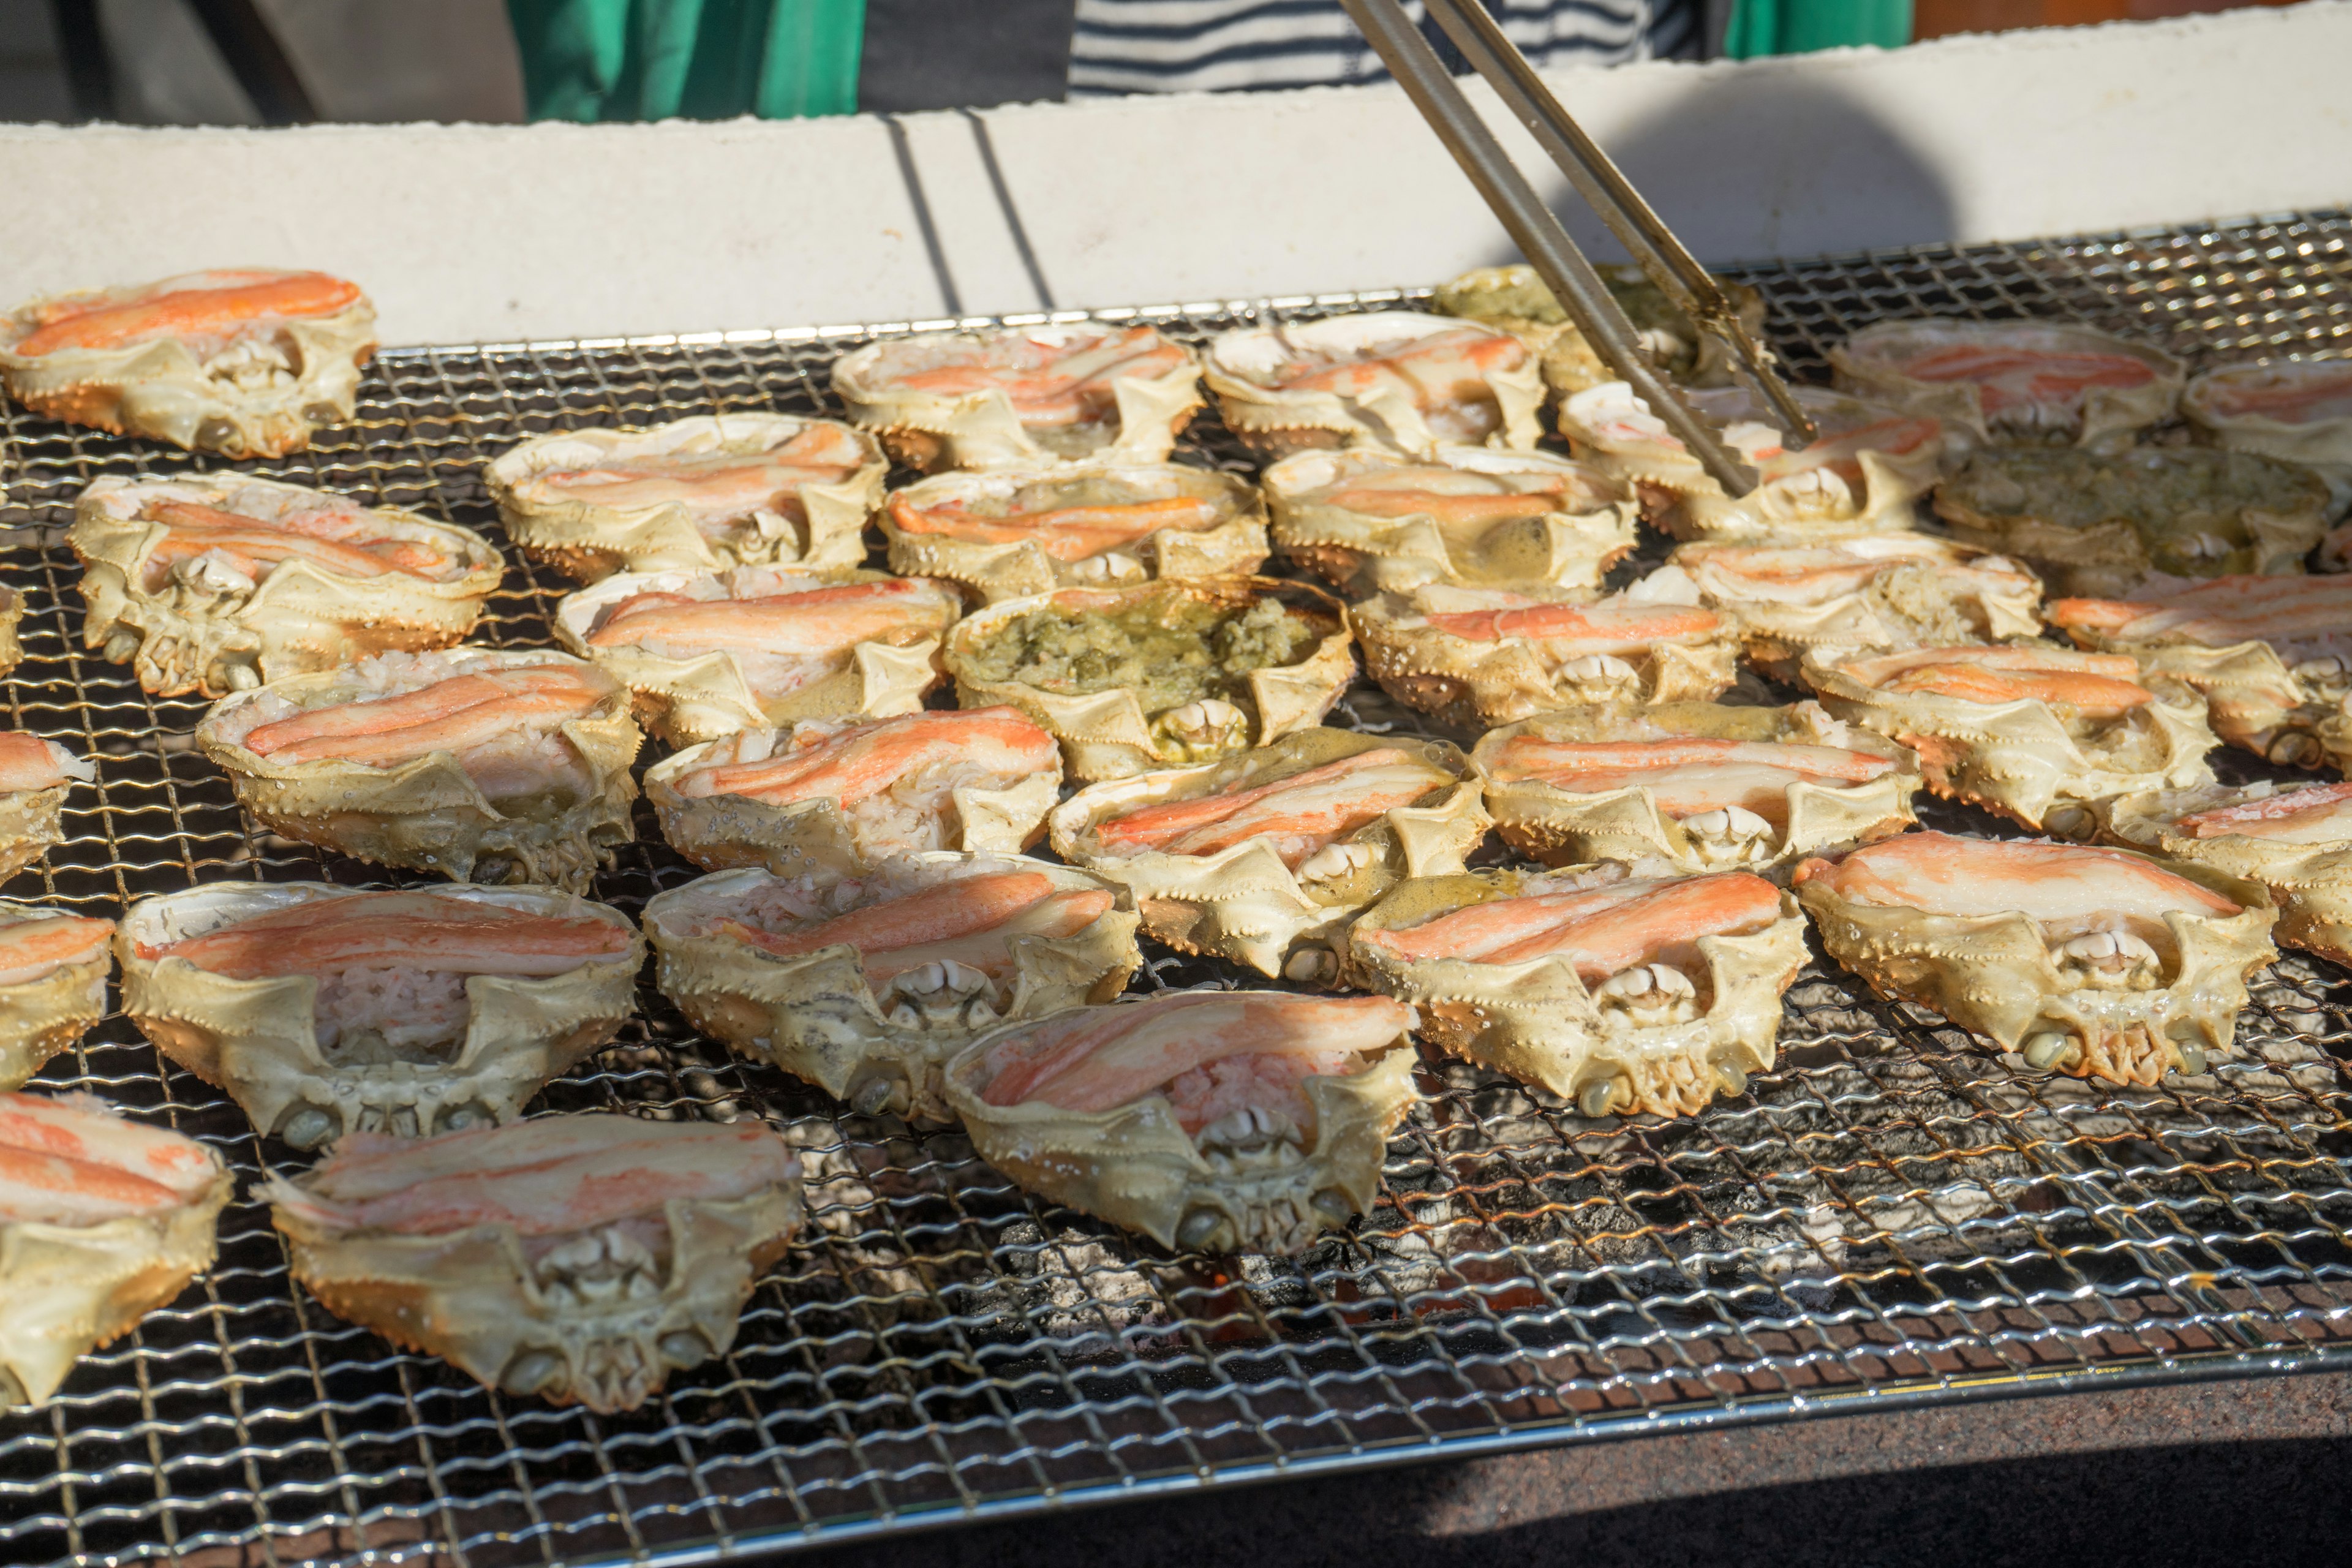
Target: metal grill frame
{"type": "Point", "coordinates": [1892, 1217]}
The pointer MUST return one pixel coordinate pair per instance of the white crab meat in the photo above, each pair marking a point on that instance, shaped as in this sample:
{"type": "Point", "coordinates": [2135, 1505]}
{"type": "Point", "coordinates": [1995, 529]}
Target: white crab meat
{"type": "Point", "coordinates": [1395, 379]}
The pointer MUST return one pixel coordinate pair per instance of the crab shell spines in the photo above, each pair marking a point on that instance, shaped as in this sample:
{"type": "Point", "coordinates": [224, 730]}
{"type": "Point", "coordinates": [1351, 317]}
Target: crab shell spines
{"type": "Point", "coordinates": [301, 618]}
{"type": "Point", "coordinates": [157, 389]}
{"type": "Point", "coordinates": [590, 541]}
{"type": "Point", "coordinates": [2310, 883]}
{"type": "Point", "coordinates": [1136, 1167]}
{"type": "Point", "coordinates": [257, 1038]}
{"type": "Point", "coordinates": [2109, 414]}
{"type": "Point", "coordinates": [41, 1018]}
{"type": "Point", "coordinates": [1107, 735]}
{"type": "Point", "coordinates": [472, 1297]}
{"type": "Point", "coordinates": [1243, 903]}
{"type": "Point", "coordinates": [71, 1288]}
{"type": "Point", "coordinates": [1995, 975]}
{"type": "Point", "coordinates": [1283, 422]}
{"type": "Point", "coordinates": [816, 1016]}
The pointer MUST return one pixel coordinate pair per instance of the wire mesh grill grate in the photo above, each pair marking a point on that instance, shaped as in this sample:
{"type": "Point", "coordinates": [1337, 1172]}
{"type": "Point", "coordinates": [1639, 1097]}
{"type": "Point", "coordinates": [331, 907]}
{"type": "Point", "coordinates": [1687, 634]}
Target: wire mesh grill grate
{"type": "Point", "coordinates": [1891, 1211]}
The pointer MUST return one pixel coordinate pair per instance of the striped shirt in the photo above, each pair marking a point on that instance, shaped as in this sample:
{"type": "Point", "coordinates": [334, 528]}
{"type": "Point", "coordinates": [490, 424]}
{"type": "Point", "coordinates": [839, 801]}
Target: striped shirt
{"type": "Point", "coordinates": [1189, 46]}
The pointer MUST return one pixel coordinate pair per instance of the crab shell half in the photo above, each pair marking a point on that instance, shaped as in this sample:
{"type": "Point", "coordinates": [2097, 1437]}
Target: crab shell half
{"type": "Point", "coordinates": [1280, 423]}
{"type": "Point", "coordinates": [816, 1016]}
{"type": "Point", "coordinates": [1562, 827]}
{"type": "Point", "coordinates": [2023, 759]}
{"type": "Point", "coordinates": [1793, 503]}
{"type": "Point", "coordinates": [688, 701]}
{"type": "Point", "coordinates": [30, 818]}
{"type": "Point", "coordinates": [427, 814]}
{"type": "Point", "coordinates": [998, 572]}
{"type": "Point", "coordinates": [474, 1297]}
{"type": "Point", "coordinates": [40, 1017]}
{"type": "Point", "coordinates": [1870, 364]}
{"type": "Point", "coordinates": [1516, 300]}
{"type": "Point", "coordinates": [1137, 1167]}
{"type": "Point", "coordinates": [1243, 903]}
{"type": "Point", "coordinates": [722, 832]}
{"type": "Point", "coordinates": [1570, 547]}
{"type": "Point", "coordinates": [930, 431]}
{"type": "Point", "coordinates": [1995, 977]}
{"type": "Point", "coordinates": [258, 1040]}
{"type": "Point", "coordinates": [1539, 1020]}
{"type": "Point", "coordinates": [159, 389]}
{"type": "Point", "coordinates": [590, 541]}
{"type": "Point", "coordinates": [1107, 735]}
{"type": "Point", "coordinates": [72, 1288]}
{"type": "Point", "coordinates": [2295, 718]}
{"type": "Point", "coordinates": [2310, 883]}
{"type": "Point", "coordinates": [212, 634]}
{"type": "Point", "coordinates": [1473, 685]}
{"type": "Point", "coordinates": [2216, 403]}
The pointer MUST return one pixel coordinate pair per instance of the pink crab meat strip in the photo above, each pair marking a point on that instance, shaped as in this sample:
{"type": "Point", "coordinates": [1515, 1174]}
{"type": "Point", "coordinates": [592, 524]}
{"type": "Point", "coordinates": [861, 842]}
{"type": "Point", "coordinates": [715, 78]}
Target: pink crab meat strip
{"type": "Point", "coordinates": [71, 1161]}
{"type": "Point", "coordinates": [1689, 776]}
{"type": "Point", "coordinates": [2098, 686]}
{"type": "Point", "coordinates": [1302, 812]}
{"type": "Point", "coordinates": [970, 921]}
{"type": "Point", "coordinates": [1805, 574]}
{"type": "Point", "coordinates": [32, 949]}
{"type": "Point", "coordinates": [809, 622]}
{"type": "Point", "coordinates": [1605, 929]}
{"type": "Point", "coordinates": [1602, 628]}
{"type": "Point", "coordinates": [2321, 814]}
{"type": "Point", "coordinates": [1065, 533]}
{"type": "Point", "coordinates": [418, 929]}
{"type": "Point", "coordinates": [2299, 393]}
{"type": "Point", "coordinates": [201, 308]}
{"type": "Point", "coordinates": [2240, 608]}
{"type": "Point", "coordinates": [1444, 367]}
{"type": "Point", "coordinates": [345, 542]}
{"type": "Point", "coordinates": [2013, 378]}
{"type": "Point", "coordinates": [1050, 383]}
{"type": "Point", "coordinates": [716, 486]}
{"type": "Point", "coordinates": [454, 715]}
{"type": "Point", "coordinates": [2067, 887]}
{"type": "Point", "coordinates": [28, 763]}
{"type": "Point", "coordinates": [1449, 495]}
{"type": "Point", "coordinates": [852, 764]}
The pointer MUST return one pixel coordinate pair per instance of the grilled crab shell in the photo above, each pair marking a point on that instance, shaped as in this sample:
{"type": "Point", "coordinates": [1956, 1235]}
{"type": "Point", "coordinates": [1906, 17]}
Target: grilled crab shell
{"type": "Point", "coordinates": [1570, 547]}
{"type": "Point", "coordinates": [590, 541]}
{"type": "Point", "coordinates": [995, 573]}
{"type": "Point", "coordinates": [1243, 903]}
{"type": "Point", "coordinates": [1283, 422]}
{"type": "Point", "coordinates": [2310, 883]}
{"type": "Point", "coordinates": [1107, 735]}
{"type": "Point", "coordinates": [1561, 827]}
{"type": "Point", "coordinates": [1868, 364]}
{"type": "Point", "coordinates": [203, 634]}
{"type": "Point", "coordinates": [1613, 430]}
{"type": "Point", "coordinates": [38, 1018]}
{"type": "Point", "coordinates": [1516, 300]}
{"type": "Point", "coordinates": [12, 613]}
{"type": "Point", "coordinates": [158, 388]}
{"type": "Point", "coordinates": [1997, 977]}
{"type": "Point", "coordinates": [1539, 1021]}
{"type": "Point", "coordinates": [722, 832]}
{"type": "Point", "coordinates": [1137, 1167]}
{"type": "Point", "coordinates": [688, 701]}
{"type": "Point", "coordinates": [1472, 685]}
{"type": "Point", "coordinates": [930, 430]}
{"type": "Point", "coordinates": [2023, 759]}
{"type": "Point", "coordinates": [71, 1288]}
{"type": "Point", "coordinates": [474, 1297]}
{"type": "Point", "coordinates": [258, 1040]}
{"type": "Point", "coordinates": [816, 1014]}
{"type": "Point", "coordinates": [30, 820]}
{"type": "Point", "coordinates": [2295, 718]}
{"type": "Point", "coordinates": [427, 814]}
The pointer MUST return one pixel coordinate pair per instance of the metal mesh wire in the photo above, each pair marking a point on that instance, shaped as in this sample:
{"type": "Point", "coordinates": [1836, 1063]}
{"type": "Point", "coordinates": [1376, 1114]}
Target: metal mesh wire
{"type": "Point", "coordinates": [1892, 1212]}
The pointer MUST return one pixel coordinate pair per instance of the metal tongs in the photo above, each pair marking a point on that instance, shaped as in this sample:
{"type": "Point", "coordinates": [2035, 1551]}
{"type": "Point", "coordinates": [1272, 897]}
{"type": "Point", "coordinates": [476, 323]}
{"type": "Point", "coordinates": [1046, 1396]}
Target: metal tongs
{"type": "Point", "coordinates": [1539, 235]}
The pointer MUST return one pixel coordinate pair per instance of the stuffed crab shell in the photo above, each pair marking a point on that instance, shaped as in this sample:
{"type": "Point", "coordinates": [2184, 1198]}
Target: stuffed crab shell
{"type": "Point", "coordinates": [1217, 1121]}
{"type": "Point", "coordinates": [1477, 657]}
{"type": "Point", "coordinates": [1515, 299]}
{"type": "Point", "coordinates": [1262, 857]}
{"type": "Point", "coordinates": [1023, 396]}
{"type": "Point", "coordinates": [1622, 990]}
{"type": "Point", "coordinates": [1698, 786]}
{"type": "Point", "coordinates": [2101, 525]}
{"type": "Point", "coordinates": [1860, 475]}
{"type": "Point", "coordinates": [1005, 533]}
{"type": "Point", "coordinates": [217, 583]}
{"type": "Point", "coordinates": [1372, 522]}
{"type": "Point", "coordinates": [248, 364]}
{"type": "Point", "coordinates": [2031, 732]}
{"type": "Point", "coordinates": [325, 1010]}
{"type": "Point", "coordinates": [580, 1259]}
{"type": "Point", "coordinates": [2032, 383]}
{"type": "Point", "coordinates": [34, 775]}
{"type": "Point", "coordinates": [2295, 841]}
{"type": "Point", "coordinates": [693, 495]}
{"type": "Point", "coordinates": [102, 1220]}
{"type": "Point", "coordinates": [2272, 655]}
{"type": "Point", "coordinates": [1160, 674]}
{"type": "Point", "coordinates": [53, 972]}
{"type": "Point", "coordinates": [1395, 379]}
{"type": "Point", "coordinates": [479, 765]}
{"type": "Point", "coordinates": [864, 986]}
{"type": "Point", "coordinates": [2097, 962]}
{"type": "Point", "coordinates": [709, 653]}
{"type": "Point", "coordinates": [845, 796]}
{"type": "Point", "coordinates": [1873, 593]}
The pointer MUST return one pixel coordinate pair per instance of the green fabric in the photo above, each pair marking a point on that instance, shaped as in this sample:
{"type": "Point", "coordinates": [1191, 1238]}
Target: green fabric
{"type": "Point", "coordinates": [592, 61]}
{"type": "Point", "coordinates": [1797, 26]}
